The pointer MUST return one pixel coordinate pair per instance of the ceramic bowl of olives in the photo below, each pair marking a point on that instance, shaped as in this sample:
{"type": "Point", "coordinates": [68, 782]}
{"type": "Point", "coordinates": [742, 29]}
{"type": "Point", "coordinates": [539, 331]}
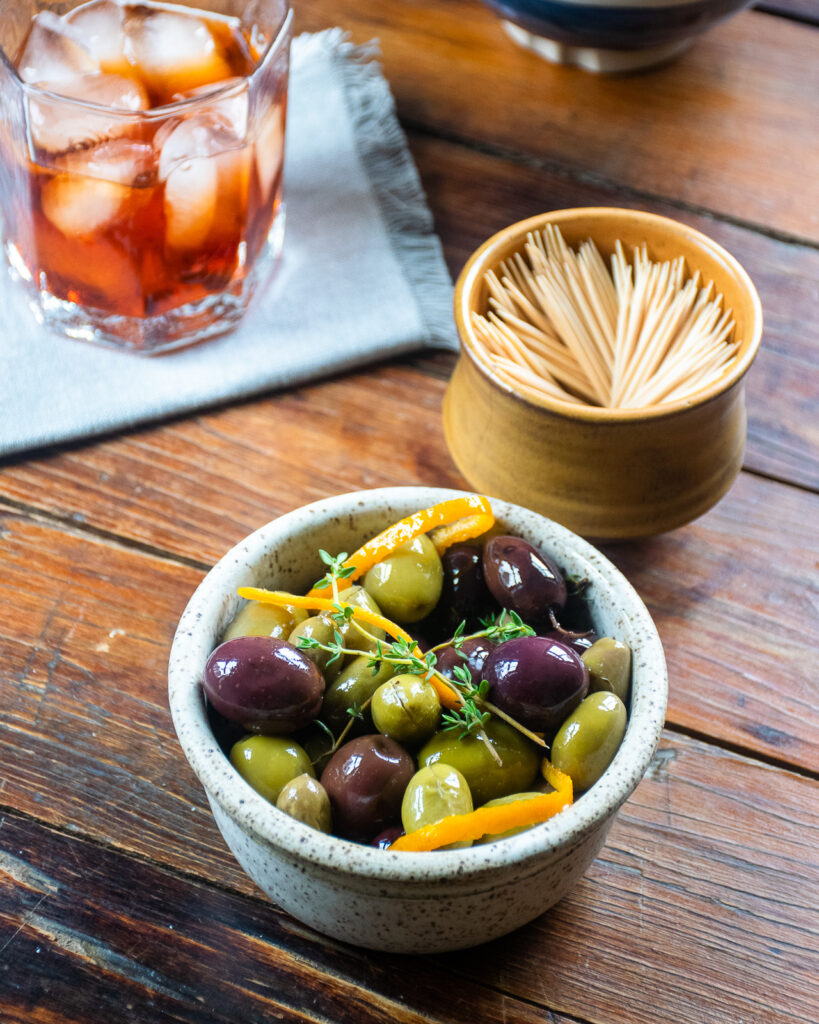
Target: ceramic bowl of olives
{"type": "Point", "coordinates": [419, 746]}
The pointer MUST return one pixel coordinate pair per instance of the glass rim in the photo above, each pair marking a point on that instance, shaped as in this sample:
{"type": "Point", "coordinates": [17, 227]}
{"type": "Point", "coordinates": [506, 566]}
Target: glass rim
{"type": "Point", "coordinates": [225, 88]}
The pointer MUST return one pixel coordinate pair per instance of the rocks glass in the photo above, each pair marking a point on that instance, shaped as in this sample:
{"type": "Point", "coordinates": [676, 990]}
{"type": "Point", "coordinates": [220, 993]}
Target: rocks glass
{"type": "Point", "coordinates": [141, 158]}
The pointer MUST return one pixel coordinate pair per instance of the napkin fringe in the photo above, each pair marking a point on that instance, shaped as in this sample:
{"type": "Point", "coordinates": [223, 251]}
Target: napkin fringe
{"type": "Point", "coordinates": [382, 149]}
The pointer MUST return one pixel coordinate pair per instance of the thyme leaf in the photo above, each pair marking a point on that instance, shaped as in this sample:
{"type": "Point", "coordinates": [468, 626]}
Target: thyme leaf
{"type": "Point", "coordinates": [468, 718]}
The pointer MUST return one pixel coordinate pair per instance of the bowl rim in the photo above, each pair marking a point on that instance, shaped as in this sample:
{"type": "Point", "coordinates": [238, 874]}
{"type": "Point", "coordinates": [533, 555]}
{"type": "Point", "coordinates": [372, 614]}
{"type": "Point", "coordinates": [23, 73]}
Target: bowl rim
{"type": "Point", "coordinates": [194, 640]}
{"type": "Point", "coordinates": [486, 255]}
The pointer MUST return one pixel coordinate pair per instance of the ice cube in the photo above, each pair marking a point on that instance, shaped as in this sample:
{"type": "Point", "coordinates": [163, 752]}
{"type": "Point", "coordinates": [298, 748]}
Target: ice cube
{"type": "Point", "coordinates": [190, 172]}
{"type": "Point", "coordinates": [230, 101]}
{"type": "Point", "coordinates": [101, 25]}
{"type": "Point", "coordinates": [190, 202]}
{"type": "Point", "coordinates": [79, 206]}
{"type": "Point", "coordinates": [269, 148]}
{"type": "Point", "coordinates": [174, 52]}
{"type": "Point", "coordinates": [57, 126]}
{"type": "Point", "coordinates": [121, 161]}
{"type": "Point", "coordinates": [205, 171]}
{"type": "Point", "coordinates": [54, 51]}
{"type": "Point", "coordinates": [205, 133]}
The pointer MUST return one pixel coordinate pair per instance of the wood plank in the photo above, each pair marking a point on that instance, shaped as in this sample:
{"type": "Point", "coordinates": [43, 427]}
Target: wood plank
{"type": "Point", "coordinates": [196, 485]}
{"type": "Point", "coordinates": [89, 935]}
{"type": "Point", "coordinates": [739, 143]}
{"type": "Point", "coordinates": [698, 911]}
{"type": "Point", "coordinates": [733, 596]}
{"type": "Point", "coordinates": [473, 195]}
{"type": "Point", "coordinates": [84, 647]}
{"type": "Point", "coordinates": [706, 879]}
{"type": "Point", "coordinates": [200, 484]}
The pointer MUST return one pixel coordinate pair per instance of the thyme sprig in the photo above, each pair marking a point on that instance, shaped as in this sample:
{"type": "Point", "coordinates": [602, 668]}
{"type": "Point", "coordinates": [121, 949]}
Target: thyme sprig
{"type": "Point", "coordinates": [468, 718]}
{"type": "Point", "coordinates": [508, 626]}
{"type": "Point", "coordinates": [475, 710]}
{"type": "Point", "coordinates": [337, 570]}
{"type": "Point", "coordinates": [356, 714]}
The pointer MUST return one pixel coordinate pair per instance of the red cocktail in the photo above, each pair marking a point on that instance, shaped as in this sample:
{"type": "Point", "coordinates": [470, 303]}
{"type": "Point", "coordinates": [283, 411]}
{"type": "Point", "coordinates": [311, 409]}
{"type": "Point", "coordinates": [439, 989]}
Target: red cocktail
{"type": "Point", "coordinates": [141, 155]}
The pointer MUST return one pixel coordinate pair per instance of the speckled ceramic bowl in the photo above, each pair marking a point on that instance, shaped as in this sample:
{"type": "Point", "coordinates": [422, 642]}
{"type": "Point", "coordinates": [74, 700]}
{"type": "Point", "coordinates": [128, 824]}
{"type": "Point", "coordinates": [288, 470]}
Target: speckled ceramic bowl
{"type": "Point", "coordinates": [406, 902]}
{"type": "Point", "coordinates": [610, 35]}
{"type": "Point", "coordinates": [610, 473]}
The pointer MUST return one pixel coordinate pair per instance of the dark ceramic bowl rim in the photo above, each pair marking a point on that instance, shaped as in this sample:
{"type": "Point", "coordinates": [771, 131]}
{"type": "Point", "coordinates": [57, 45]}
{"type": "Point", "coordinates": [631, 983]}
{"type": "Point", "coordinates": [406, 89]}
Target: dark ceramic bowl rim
{"type": "Point", "coordinates": [195, 638]}
{"type": "Point", "coordinates": [485, 256]}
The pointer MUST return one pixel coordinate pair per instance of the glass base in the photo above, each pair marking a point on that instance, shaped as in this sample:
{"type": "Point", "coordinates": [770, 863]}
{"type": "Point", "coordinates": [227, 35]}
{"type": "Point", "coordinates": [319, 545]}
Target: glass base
{"type": "Point", "coordinates": [595, 58]}
{"type": "Point", "coordinates": [153, 335]}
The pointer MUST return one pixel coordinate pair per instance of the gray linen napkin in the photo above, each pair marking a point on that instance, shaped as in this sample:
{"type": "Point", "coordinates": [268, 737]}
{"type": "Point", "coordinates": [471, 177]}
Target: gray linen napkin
{"type": "Point", "coordinates": [362, 278]}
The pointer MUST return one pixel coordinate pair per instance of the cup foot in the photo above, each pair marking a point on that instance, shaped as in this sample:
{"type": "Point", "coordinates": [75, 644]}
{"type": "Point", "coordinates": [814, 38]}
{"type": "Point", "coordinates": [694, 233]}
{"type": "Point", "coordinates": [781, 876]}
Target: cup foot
{"type": "Point", "coordinates": [593, 58]}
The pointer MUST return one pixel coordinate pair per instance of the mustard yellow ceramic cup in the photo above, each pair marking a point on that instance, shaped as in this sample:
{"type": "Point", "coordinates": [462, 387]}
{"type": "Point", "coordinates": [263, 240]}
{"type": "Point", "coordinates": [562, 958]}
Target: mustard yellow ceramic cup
{"type": "Point", "coordinates": [605, 473]}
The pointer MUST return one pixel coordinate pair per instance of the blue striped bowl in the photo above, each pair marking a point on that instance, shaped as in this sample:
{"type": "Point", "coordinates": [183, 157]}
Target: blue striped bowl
{"type": "Point", "coordinates": [610, 35]}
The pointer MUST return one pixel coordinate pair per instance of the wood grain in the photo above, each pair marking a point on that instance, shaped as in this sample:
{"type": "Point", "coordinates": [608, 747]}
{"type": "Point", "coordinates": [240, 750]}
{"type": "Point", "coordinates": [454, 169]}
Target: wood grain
{"type": "Point", "coordinates": [690, 914]}
{"type": "Point", "coordinates": [454, 72]}
{"type": "Point", "coordinates": [88, 736]}
{"type": "Point", "coordinates": [197, 486]}
{"type": "Point", "coordinates": [118, 898]}
{"type": "Point", "coordinates": [735, 598]}
{"type": "Point", "coordinates": [698, 911]}
{"type": "Point", "coordinates": [89, 935]}
{"type": "Point", "coordinates": [733, 594]}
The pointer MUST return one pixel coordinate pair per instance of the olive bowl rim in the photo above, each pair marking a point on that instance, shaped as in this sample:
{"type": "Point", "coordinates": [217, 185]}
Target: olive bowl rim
{"type": "Point", "coordinates": [206, 615]}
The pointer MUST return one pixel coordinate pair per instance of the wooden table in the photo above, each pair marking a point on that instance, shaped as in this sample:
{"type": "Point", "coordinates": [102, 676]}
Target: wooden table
{"type": "Point", "coordinates": [119, 900]}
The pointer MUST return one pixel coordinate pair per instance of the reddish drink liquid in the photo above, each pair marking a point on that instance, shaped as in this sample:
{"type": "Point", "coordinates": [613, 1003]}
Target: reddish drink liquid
{"type": "Point", "coordinates": [153, 173]}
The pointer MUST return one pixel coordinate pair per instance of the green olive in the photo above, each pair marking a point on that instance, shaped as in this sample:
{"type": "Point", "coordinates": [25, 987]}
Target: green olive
{"type": "Point", "coordinates": [354, 685]}
{"type": "Point", "coordinates": [407, 584]}
{"type": "Point", "coordinates": [319, 628]}
{"type": "Point", "coordinates": [433, 793]}
{"type": "Point", "coordinates": [406, 708]}
{"type": "Point", "coordinates": [268, 762]}
{"type": "Point", "coordinates": [487, 779]}
{"type": "Point", "coordinates": [323, 629]}
{"type": "Point", "coordinates": [609, 665]}
{"type": "Point", "coordinates": [317, 743]}
{"type": "Point", "coordinates": [257, 619]}
{"type": "Point", "coordinates": [587, 741]}
{"type": "Point", "coordinates": [489, 838]}
{"type": "Point", "coordinates": [351, 634]}
{"type": "Point", "coordinates": [306, 800]}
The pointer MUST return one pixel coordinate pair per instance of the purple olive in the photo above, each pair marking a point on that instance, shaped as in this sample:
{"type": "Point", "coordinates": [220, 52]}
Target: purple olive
{"type": "Point", "coordinates": [476, 652]}
{"type": "Point", "coordinates": [365, 780]}
{"type": "Point", "coordinates": [225, 733]}
{"type": "Point", "coordinates": [536, 680]}
{"type": "Point", "coordinates": [523, 579]}
{"type": "Point", "coordinates": [385, 839]}
{"type": "Point", "coordinates": [465, 596]}
{"type": "Point", "coordinates": [579, 642]}
{"type": "Point", "coordinates": [264, 684]}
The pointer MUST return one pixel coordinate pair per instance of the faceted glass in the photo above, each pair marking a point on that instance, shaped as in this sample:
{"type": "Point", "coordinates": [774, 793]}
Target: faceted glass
{"type": "Point", "coordinates": [141, 160]}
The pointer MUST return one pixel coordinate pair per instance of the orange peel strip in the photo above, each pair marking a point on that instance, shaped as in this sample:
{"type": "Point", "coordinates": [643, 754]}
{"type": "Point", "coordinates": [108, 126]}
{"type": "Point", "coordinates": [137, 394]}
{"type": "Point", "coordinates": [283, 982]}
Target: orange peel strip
{"type": "Point", "coordinates": [462, 529]}
{"type": "Point", "coordinates": [448, 697]}
{"type": "Point", "coordinates": [473, 507]}
{"type": "Point", "coordinates": [492, 820]}
{"type": "Point", "coordinates": [558, 780]}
